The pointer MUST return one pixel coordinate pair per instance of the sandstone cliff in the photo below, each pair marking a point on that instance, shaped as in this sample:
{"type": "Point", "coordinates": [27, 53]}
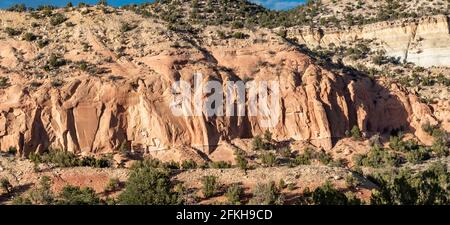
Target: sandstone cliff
{"type": "Point", "coordinates": [424, 41]}
{"type": "Point", "coordinates": [124, 93]}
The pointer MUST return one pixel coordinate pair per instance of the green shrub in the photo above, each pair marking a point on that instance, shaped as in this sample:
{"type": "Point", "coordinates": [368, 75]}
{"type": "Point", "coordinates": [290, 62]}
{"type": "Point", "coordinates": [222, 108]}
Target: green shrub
{"type": "Point", "coordinates": [71, 195]}
{"type": "Point", "coordinates": [220, 165]}
{"type": "Point", "coordinates": [42, 195]}
{"type": "Point", "coordinates": [210, 186]}
{"type": "Point", "coordinates": [42, 43]}
{"type": "Point", "coordinates": [234, 194]}
{"type": "Point", "coordinates": [148, 185]}
{"type": "Point", "coordinates": [12, 32]}
{"type": "Point", "coordinates": [418, 156]}
{"type": "Point", "coordinates": [377, 158]}
{"type": "Point", "coordinates": [17, 8]}
{"type": "Point", "coordinates": [267, 194]}
{"type": "Point", "coordinates": [240, 35]}
{"type": "Point", "coordinates": [4, 82]}
{"type": "Point", "coordinates": [240, 157]}
{"type": "Point", "coordinates": [327, 195]}
{"type": "Point", "coordinates": [57, 19]}
{"type": "Point", "coordinates": [268, 159]}
{"type": "Point", "coordinates": [113, 185]}
{"type": "Point", "coordinates": [188, 164]}
{"type": "Point", "coordinates": [125, 27]}
{"type": "Point", "coordinates": [172, 165]}
{"type": "Point", "coordinates": [428, 187]}
{"type": "Point", "coordinates": [5, 185]}
{"type": "Point", "coordinates": [29, 37]}
{"type": "Point", "coordinates": [355, 133]}
{"type": "Point", "coordinates": [257, 143]}
{"type": "Point", "coordinates": [12, 150]}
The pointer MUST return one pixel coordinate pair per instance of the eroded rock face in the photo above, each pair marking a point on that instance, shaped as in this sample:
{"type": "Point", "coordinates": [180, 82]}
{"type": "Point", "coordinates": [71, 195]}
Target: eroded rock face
{"type": "Point", "coordinates": [91, 116]}
{"type": "Point", "coordinates": [424, 41]}
{"type": "Point", "coordinates": [130, 102]}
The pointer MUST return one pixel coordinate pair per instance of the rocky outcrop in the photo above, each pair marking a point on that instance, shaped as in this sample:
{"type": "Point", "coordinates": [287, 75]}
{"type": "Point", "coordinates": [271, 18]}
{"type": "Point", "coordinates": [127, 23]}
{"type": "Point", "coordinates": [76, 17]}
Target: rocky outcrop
{"type": "Point", "coordinates": [129, 100]}
{"type": "Point", "coordinates": [424, 41]}
{"type": "Point", "coordinates": [90, 116]}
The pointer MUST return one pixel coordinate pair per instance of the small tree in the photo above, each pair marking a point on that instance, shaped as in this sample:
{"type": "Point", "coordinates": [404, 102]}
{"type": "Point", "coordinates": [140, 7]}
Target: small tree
{"type": "Point", "coordinates": [241, 161]}
{"type": "Point", "coordinates": [210, 186]}
{"type": "Point", "coordinates": [355, 132]}
{"type": "Point", "coordinates": [148, 185]}
{"type": "Point", "coordinates": [257, 143]}
{"type": "Point", "coordinates": [43, 195]}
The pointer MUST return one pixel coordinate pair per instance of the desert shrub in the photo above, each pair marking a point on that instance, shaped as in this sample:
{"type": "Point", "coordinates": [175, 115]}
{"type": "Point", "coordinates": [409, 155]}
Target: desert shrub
{"type": "Point", "coordinates": [351, 181]}
{"type": "Point", "coordinates": [29, 36]}
{"type": "Point", "coordinates": [417, 156]}
{"type": "Point", "coordinates": [148, 185]}
{"type": "Point", "coordinates": [102, 2]}
{"type": "Point", "coordinates": [303, 159]}
{"type": "Point", "coordinates": [54, 62]}
{"type": "Point", "coordinates": [4, 82]}
{"type": "Point", "coordinates": [264, 143]}
{"type": "Point", "coordinates": [42, 195]}
{"type": "Point", "coordinates": [57, 19]}
{"type": "Point", "coordinates": [405, 188]}
{"type": "Point", "coordinates": [71, 195]}
{"type": "Point", "coordinates": [220, 165]}
{"type": "Point", "coordinates": [257, 143]}
{"type": "Point", "coordinates": [440, 147]}
{"type": "Point", "coordinates": [324, 157]}
{"type": "Point", "coordinates": [241, 161]}
{"type": "Point", "coordinates": [234, 194]}
{"type": "Point", "coordinates": [12, 32]}
{"type": "Point", "coordinates": [327, 195]}
{"type": "Point", "coordinates": [282, 184]}
{"type": "Point", "coordinates": [210, 186]}
{"type": "Point", "coordinates": [309, 155]}
{"type": "Point", "coordinates": [113, 185]}
{"type": "Point", "coordinates": [124, 149]}
{"type": "Point", "coordinates": [355, 133]}
{"type": "Point", "coordinates": [268, 159]}
{"type": "Point", "coordinates": [240, 35]}
{"type": "Point", "coordinates": [267, 194]}
{"type": "Point", "coordinates": [222, 35]}
{"type": "Point", "coordinates": [5, 185]}
{"type": "Point", "coordinates": [188, 164]}
{"type": "Point", "coordinates": [377, 158]}
{"type": "Point", "coordinates": [237, 25]}
{"type": "Point", "coordinates": [285, 152]}
{"type": "Point", "coordinates": [17, 8]}
{"type": "Point", "coordinates": [172, 165]}
{"type": "Point", "coordinates": [125, 27]}
{"type": "Point", "coordinates": [12, 150]}
{"type": "Point", "coordinates": [268, 136]}
{"type": "Point", "coordinates": [441, 143]}
{"type": "Point", "coordinates": [61, 158]}
{"type": "Point", "coordinates": [57, 83]}
{"type": "Point", "coordinates": [42, 43]}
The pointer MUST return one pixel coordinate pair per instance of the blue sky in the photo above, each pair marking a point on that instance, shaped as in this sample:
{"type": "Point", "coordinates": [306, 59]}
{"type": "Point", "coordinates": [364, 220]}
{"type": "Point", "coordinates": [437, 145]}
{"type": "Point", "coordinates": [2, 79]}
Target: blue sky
{"type": "Point", "coordinates": [273, 4]}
